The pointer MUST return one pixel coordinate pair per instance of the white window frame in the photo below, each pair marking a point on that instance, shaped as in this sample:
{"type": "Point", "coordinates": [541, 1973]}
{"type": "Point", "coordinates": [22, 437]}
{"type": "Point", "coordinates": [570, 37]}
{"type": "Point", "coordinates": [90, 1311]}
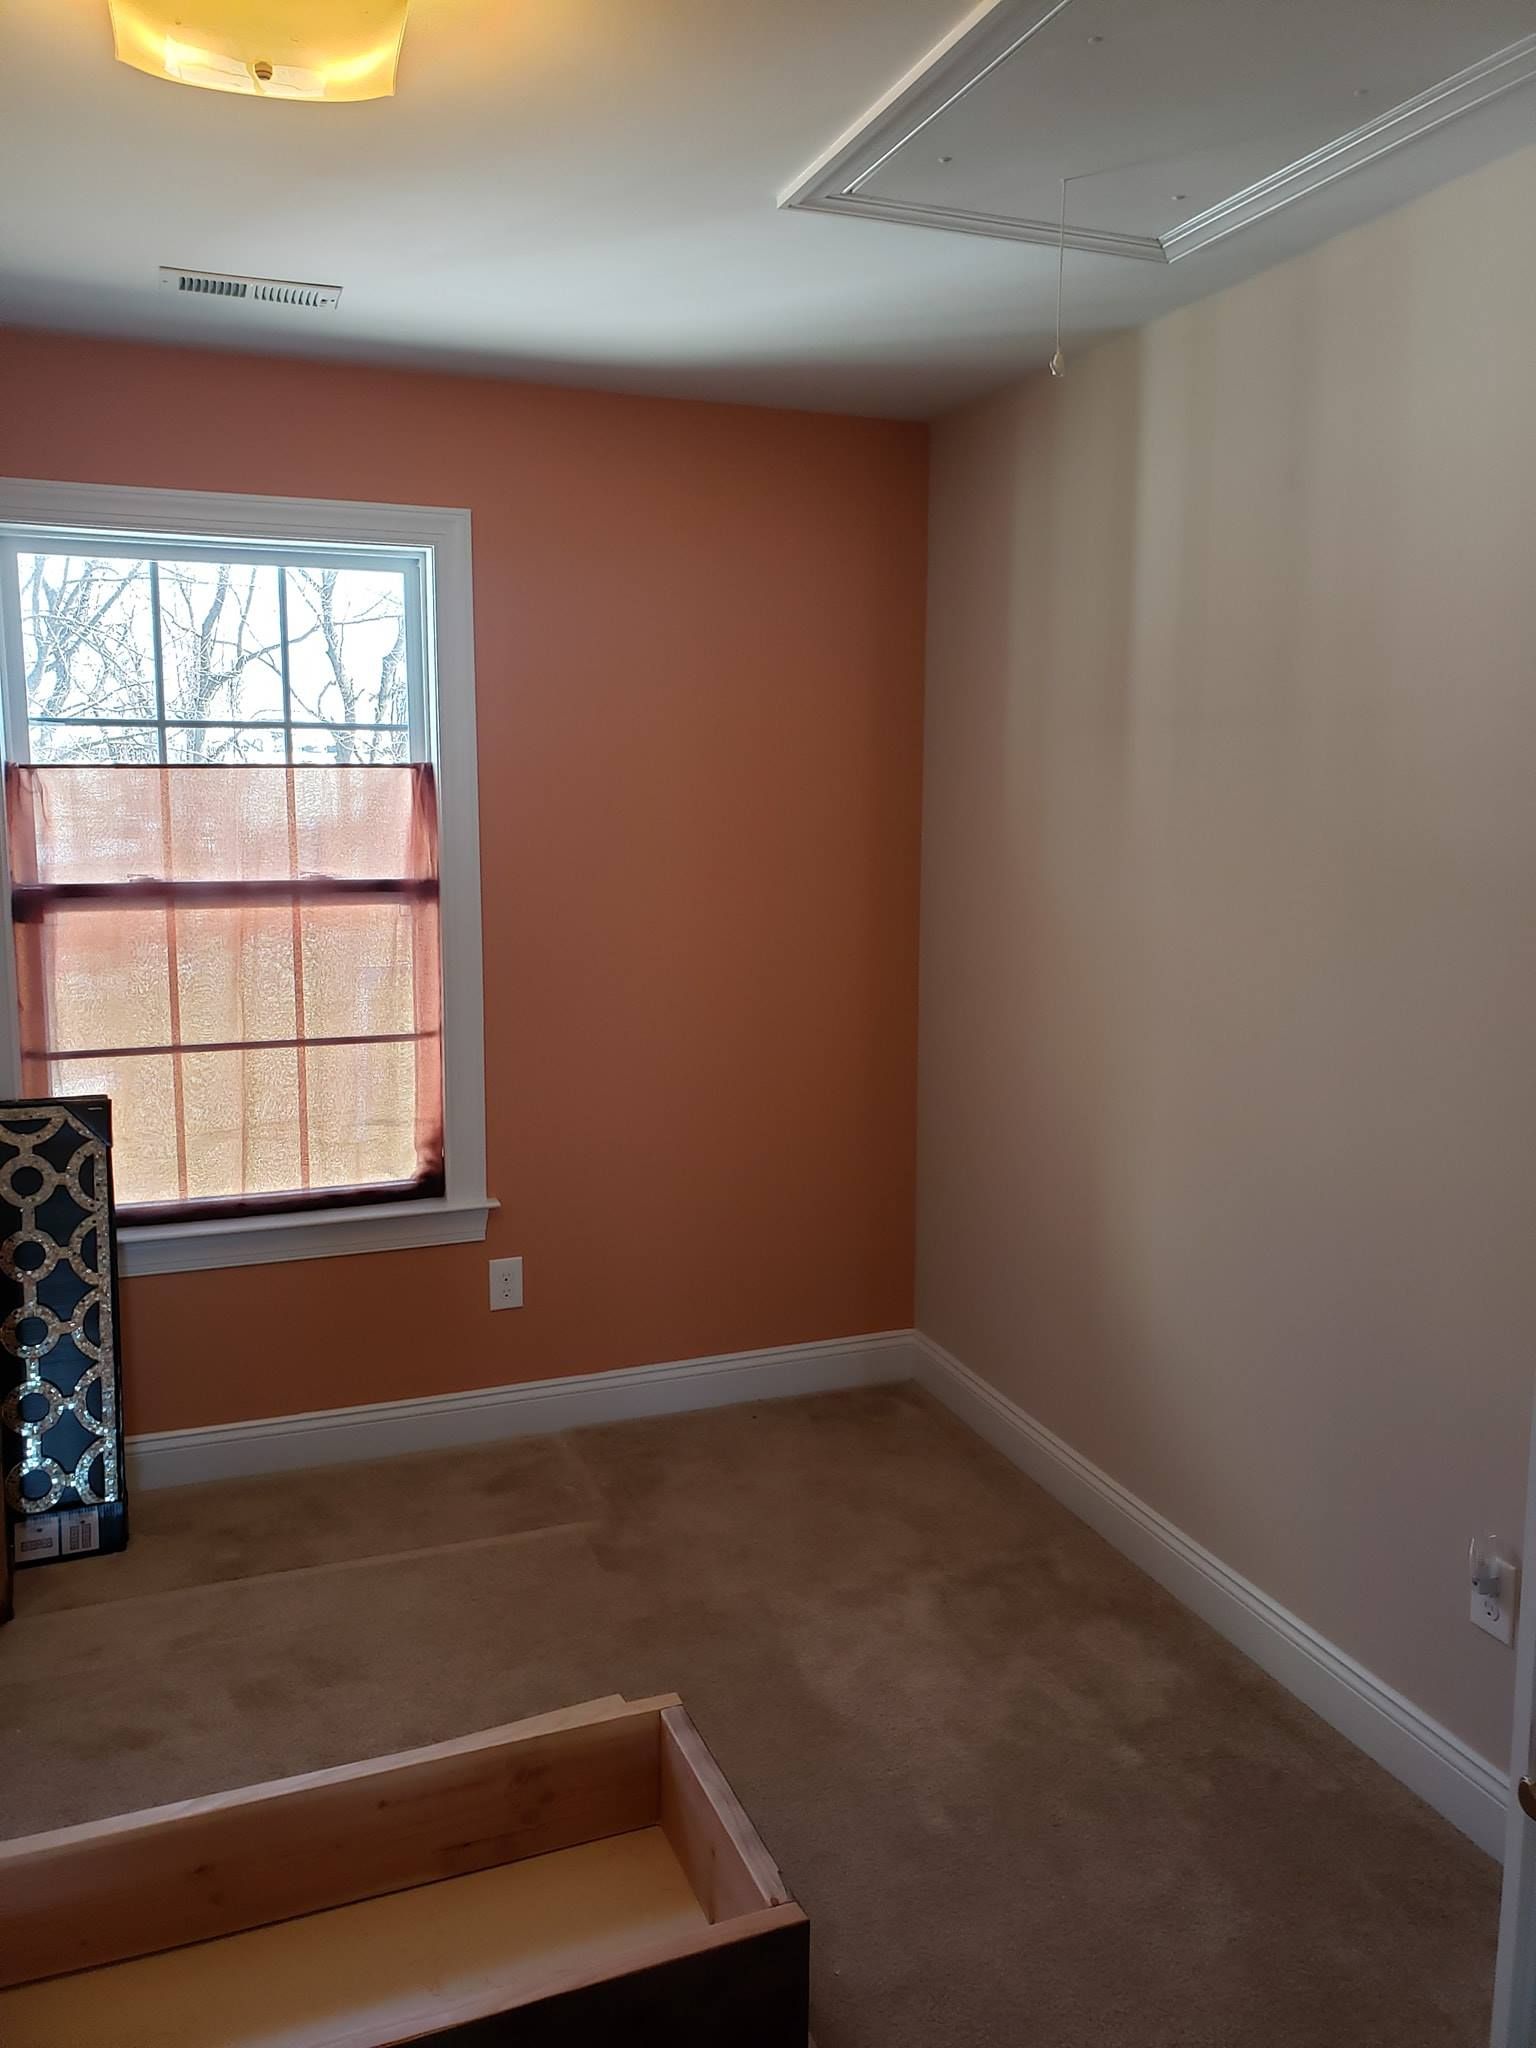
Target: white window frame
{"type": "Point", "coordinates": [439, 537]}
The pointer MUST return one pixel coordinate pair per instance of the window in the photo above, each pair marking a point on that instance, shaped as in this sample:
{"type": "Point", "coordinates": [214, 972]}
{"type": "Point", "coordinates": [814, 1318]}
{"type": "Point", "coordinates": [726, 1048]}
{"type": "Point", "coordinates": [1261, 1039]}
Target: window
{"type": "Point", "coordinates": [243, 861]}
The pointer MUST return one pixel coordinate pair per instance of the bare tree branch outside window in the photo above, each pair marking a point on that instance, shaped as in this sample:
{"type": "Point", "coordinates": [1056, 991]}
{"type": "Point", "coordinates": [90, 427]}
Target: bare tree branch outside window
{"type": "Point", "coordinates": [133, 660]}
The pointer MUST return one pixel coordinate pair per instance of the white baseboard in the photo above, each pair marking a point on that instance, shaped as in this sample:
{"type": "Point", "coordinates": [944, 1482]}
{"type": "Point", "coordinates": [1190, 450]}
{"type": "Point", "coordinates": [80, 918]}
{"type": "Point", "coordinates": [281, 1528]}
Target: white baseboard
{"type": "Point", "coordinates": [340, 1436]}
{"type": "Point", "coordinates": [1468, 1790]}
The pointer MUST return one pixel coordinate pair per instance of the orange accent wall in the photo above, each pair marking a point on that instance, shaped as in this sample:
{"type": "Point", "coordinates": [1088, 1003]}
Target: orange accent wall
{"type": "Point", "coordinates": [699, 646]}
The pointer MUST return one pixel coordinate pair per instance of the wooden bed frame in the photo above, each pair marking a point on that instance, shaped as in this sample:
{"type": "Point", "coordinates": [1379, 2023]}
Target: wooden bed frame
{"type": "Point", "coordinates": [581, 1878]}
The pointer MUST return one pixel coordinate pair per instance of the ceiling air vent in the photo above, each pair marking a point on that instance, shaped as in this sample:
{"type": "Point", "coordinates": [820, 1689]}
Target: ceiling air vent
{"type": "Point", "coordinates": [252, 291]}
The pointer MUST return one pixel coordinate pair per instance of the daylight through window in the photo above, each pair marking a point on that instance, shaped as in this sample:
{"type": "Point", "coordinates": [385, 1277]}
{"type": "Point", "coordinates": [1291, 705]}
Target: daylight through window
{"type": "Point", "coordinates": [222, 832]}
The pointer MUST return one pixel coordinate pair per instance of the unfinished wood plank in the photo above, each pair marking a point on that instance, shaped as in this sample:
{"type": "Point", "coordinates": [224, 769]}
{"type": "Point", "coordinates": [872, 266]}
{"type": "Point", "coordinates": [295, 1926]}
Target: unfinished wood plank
{"type": "Point", "coordinates": [715, 1842]}
{"type": "Point", "coordinates": [499, 1934]}
{"type": "Point", "coordinates": [282, 1986]}
{"type": "Point", "coordinates": [86, 1896]}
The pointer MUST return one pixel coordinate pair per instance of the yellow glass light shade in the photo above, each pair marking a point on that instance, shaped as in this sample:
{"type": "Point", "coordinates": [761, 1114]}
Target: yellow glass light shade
{"type": "Point", "coordinates": [277, 49]}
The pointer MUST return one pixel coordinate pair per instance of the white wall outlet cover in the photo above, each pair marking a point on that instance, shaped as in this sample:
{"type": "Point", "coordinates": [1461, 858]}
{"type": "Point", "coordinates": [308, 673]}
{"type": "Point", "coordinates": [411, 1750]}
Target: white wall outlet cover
{"type": "Point", "coordinates": [1495, 1587]}
{"type": "Point", "coordinates": [506, 1283]}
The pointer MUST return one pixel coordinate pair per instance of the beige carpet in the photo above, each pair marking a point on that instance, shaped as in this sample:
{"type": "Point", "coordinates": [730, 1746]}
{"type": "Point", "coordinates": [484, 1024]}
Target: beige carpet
{"type": "Point", "coordinates": [1025, 1797]}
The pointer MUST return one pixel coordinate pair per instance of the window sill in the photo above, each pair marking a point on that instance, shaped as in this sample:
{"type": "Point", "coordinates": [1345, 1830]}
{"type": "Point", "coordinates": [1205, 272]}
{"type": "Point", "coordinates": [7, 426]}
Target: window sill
{"type": "Point", "coordinates": [312, 1234]}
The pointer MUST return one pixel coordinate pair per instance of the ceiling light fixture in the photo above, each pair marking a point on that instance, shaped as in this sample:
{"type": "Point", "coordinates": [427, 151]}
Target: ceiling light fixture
{"type": "Point", "coordinates": [275, 49]}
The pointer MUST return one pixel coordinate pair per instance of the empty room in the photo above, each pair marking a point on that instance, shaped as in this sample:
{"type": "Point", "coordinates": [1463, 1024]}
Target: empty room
{"type": "Point", "coordinates": [767, 1140]}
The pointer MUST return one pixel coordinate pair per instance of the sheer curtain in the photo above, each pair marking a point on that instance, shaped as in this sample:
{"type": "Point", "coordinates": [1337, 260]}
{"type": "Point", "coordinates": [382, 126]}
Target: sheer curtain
{"type": "Point", "coordinates": [245, 959]}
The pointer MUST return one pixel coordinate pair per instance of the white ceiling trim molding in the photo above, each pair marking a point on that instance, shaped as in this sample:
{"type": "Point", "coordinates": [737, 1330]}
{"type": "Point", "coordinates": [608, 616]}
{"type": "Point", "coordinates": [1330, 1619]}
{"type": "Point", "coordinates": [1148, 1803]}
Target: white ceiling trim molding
{"type": "Point", "coordinates": [1400, 125]}
{"type": "Point", "coordinates": [1001, 227]}
{"type": "Point", "coordinates": [989, 36]}
{"type": "Point", "coordinates": [996, 33]}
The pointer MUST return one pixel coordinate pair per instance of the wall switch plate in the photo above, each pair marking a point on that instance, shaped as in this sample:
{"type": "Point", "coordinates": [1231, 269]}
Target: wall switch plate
{"type": "Point", "coordinates": [506, 1283]}
{"type": "Point", "coordinates": [1495, 1588]}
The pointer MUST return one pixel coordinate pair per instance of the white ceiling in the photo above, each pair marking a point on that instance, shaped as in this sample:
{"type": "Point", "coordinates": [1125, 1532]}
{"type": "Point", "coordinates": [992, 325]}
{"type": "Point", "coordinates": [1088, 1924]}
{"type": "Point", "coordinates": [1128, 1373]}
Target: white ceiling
{"type": "Point", "coordinates": [585, 190]}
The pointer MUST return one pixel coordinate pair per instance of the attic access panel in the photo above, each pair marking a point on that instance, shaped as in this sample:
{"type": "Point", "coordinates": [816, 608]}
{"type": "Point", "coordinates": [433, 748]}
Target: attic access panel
{"type": "Point", "coordinates": [1175, 122]}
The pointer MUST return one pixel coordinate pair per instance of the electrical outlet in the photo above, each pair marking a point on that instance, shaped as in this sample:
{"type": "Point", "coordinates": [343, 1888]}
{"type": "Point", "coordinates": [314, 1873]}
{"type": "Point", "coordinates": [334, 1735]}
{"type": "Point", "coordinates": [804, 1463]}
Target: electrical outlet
{"type": "Point", "coordinates": [506, 1283]}
{"type": "Point", "coordinates": [1495, 1581]}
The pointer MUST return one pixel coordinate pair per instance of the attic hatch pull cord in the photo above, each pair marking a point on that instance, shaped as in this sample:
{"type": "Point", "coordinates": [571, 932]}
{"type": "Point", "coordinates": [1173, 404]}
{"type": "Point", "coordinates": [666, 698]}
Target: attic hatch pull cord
{"type": "Point", "coordinates": [1059, 361]}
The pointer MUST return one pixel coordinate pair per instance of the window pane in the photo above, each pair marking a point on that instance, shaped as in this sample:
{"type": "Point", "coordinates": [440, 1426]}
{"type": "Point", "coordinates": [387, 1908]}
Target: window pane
{"type": "Point", "coordinates": [243, 1122]}
{"type": "Point", "coordinates": [235, 972]}
{"type": "Point", "coordinates": [362, 1101]}
{"type": "Point", "coordinates": [346, 651]}
{"type": "Point", "coordinates": [221, 642]}
{"type": "Point", "coordinates": [143, 1120]}
{"type": "Point", "coordinates": [223, 743]}
{"type": "Point", "coordinates": [371, 746]}
{"type": "Point", "coordinates": [108, 977]}
{"type": "Point", "coordinates": [360, 968]}
{"type": "Point", "coordinates": [87, 637]}
{"type": "Point", "coordinates": [94, 742]}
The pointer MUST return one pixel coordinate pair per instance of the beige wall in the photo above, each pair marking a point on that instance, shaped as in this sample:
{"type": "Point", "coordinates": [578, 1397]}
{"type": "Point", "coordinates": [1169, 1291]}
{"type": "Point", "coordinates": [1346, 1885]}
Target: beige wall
{"type": "Point", "coordinates": [1227, 1142]}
